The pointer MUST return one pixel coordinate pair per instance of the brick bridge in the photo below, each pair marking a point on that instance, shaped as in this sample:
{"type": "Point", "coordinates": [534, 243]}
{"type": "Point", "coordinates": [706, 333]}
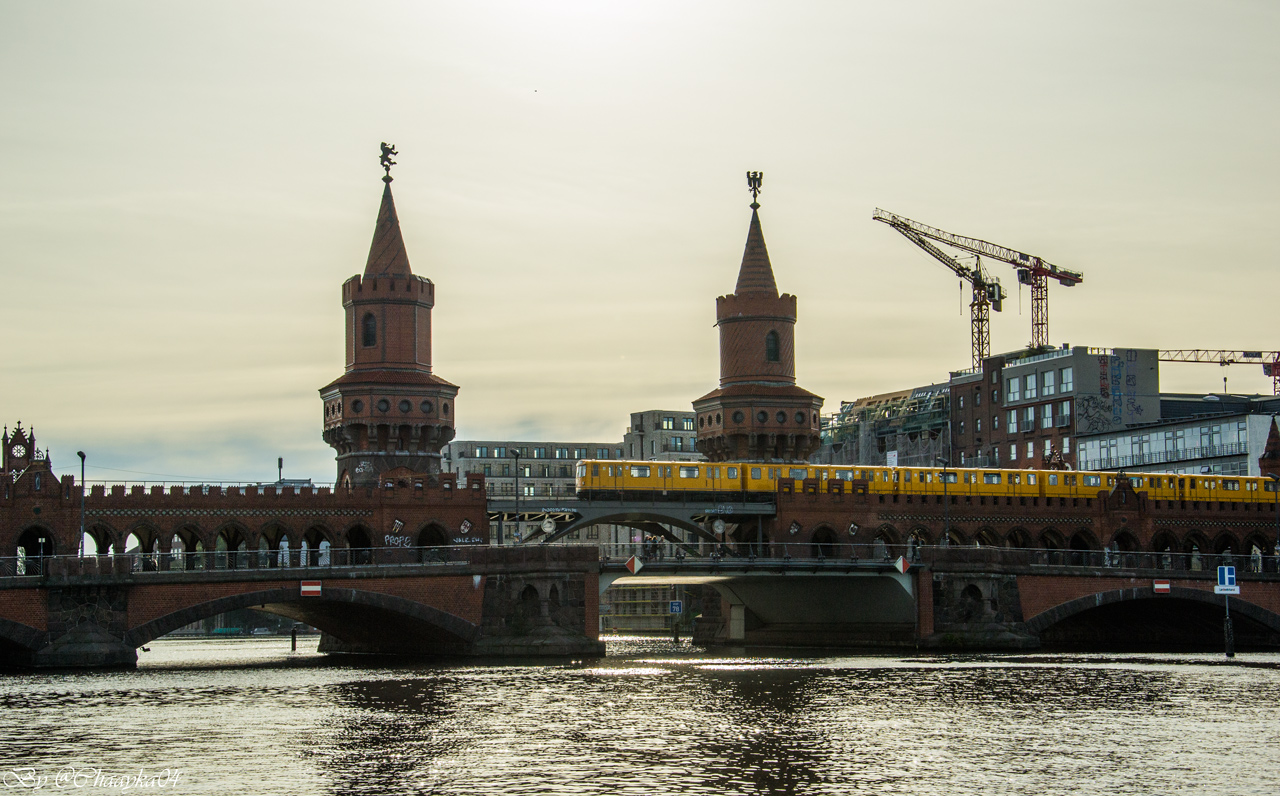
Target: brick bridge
{"type": "Point", "coordinates": [474, 600]}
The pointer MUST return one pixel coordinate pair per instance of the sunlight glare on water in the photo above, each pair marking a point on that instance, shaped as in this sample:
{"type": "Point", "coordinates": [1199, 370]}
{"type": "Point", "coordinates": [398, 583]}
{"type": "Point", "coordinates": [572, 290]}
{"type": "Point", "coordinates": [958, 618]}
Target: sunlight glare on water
{"type": "Point", "coordinates": [248, 716]}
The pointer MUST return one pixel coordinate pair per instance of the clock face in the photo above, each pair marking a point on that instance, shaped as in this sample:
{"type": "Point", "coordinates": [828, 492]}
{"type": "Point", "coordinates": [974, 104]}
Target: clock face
{"type": "Point", "coordinates": [18, 451]}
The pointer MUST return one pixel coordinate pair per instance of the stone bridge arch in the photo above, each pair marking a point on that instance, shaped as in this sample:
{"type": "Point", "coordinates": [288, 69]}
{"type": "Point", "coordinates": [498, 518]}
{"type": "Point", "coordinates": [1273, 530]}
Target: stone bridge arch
{"type": "Point", "coordinates": [19, 643]}
{"type": "Point", "coordinates": [361, 621]}
{"type": "Point", "coordinates": [1189, 616]}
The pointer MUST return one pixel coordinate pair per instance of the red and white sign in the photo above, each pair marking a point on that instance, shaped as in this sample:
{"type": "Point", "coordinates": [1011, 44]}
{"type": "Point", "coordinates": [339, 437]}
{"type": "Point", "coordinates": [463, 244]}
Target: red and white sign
{"type": "Point", "coordinates": [310, 588]}
{"type": "Point", "coordinates": [634, 565]}
{"type": "Point", "coordinates": [1160, 586]}
{"type": "Point", "coordinates": [902, 565]}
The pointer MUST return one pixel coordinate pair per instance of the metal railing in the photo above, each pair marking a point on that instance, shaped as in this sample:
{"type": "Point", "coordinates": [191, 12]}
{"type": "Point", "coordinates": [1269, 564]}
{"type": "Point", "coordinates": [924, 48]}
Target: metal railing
{"type": "Point", "coordinates": [1161, 457]}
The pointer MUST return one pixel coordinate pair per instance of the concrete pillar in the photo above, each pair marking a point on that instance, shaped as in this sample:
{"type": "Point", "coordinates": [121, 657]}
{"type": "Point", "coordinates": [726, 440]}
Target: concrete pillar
{"type": "Point", "coordinates": [737, 622]}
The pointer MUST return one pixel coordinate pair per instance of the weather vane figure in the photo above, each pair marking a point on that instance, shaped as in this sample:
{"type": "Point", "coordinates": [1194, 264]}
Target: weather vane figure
{"type": "Point", "coordinates": [387, 151]}
{"type": "Point", "coordinates": [754, 179]}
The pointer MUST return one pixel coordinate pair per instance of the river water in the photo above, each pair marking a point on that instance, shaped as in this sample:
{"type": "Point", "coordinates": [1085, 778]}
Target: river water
{"type": "Point", "coordinates": [655, 717]}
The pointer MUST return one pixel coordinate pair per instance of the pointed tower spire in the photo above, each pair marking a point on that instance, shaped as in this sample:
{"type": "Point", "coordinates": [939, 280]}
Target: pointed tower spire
{"type": "Point", "coordinates": [1269, 461]}
{"type": "Point", "coordinates": [387, 255]}
{"type": "Point", "coordinates": [756, 273]}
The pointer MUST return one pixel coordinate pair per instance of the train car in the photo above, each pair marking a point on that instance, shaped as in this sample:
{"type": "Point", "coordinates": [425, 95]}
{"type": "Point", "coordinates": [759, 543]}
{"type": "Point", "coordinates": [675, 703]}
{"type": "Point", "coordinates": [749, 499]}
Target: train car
{"type": "Point", "coordinates": [616, 480]}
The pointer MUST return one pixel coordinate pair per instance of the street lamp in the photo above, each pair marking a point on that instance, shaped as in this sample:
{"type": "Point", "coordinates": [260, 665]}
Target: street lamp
{"type": "Point", "coordinates": [83, 488]}
{"type": "Point", "coordinates": [946, 502]}
{"type": "Point", "coordinates": [515, 454]}
{"type": "Point", "coordinates": [1275, 484]}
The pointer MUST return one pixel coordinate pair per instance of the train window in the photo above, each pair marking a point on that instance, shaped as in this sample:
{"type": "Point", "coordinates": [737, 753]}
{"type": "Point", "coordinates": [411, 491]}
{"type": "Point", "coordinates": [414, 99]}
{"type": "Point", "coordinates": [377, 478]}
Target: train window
{"type": "Point", "coordinates": [844, 475]}
{"type": "Point", "coordinates": [895, 476]}
{"type": "Point", "coordinates": [1093, 480]}
{"type": "Point", "coordinates": [1135, 482]}
{"type": "Point", "coordinates": [1015, 478]}
{"type": "Point", "coordinates": [639, 471]}
{"type": "Point", "coordinates": [755, 473]}
{"type": "Point", "coordinates": [733, 472]}
{"type": "Point", "coordinates": [688, 472]}
{"type": "Point", "coordinates": [1111, 481]}
{"type": "Point", "coordinates": [713, 472]}
{"type": "Point", "coordinates": [947, 478]}
{"type": "Point", "coordinates": [668, 472]}
{"type": "Point", "coordinates": [970, 478]}
{"type": "Point", "coordinates": [1270, 486]}
{"type": "Point", "coordinates": [991, 478]}
{"type": "Point", "coordinates": [1053, 479]}
{"type": "Point", "coordinates": [798, 473]}
{"type": "Point", "coordinates": [1031, 478]}
{"type": "Point", "coordinates": [824, 474]}
{"type": "Point", "coordinates": [1070, 480]}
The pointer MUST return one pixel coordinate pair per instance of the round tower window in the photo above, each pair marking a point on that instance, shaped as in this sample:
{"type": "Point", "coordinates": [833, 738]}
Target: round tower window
{"type": "Point", "coordinates": [799, 418]}
{"type": "Point", "coordinates": [357, 406]}
{"type": "Point", "coordinates": [426, 407]}
{"type": "Point", "coordinates": [762, 416]}
{"type": "Point", "coordinates": [718, 419]}
{"type": "Point", "coordinates": [384, 405]}
{"type": "Point", "coordinates": [738, 417]}
{"type": "Point", "coordinates": [405, 406]}
{"type": "Point", "coordinates": [702, 422]}
{"type": "Point", "coordinates": [782, 416]}
{"type": "Point", "coordinates": [444, 407]}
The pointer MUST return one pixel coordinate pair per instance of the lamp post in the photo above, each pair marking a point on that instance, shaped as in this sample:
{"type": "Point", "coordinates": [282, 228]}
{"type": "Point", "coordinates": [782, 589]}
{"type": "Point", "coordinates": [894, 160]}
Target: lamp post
{"type": "Point", "coordinates": [1275, 484]}
{"type": "Point", "coordinates": [83, 488]}
{"type": "Point", "coordinates": [946, 503]}
{"type": "Point", "coordinates": [515, 454]}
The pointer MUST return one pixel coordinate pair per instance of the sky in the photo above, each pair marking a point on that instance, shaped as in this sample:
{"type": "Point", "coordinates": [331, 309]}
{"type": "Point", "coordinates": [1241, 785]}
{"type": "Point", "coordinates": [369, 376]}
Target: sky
{"type": "Point", "coordinates": [185, 186]}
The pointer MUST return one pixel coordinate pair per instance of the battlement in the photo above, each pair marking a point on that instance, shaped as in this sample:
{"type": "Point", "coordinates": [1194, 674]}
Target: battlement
{"type": "Point", "coordinates": [398, 288]}
{"type": "Point", "coordinates": [756, 305]}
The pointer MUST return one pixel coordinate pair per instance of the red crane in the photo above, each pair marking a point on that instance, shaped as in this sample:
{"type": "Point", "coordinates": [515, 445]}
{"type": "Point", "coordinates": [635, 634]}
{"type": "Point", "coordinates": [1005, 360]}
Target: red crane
{"type": "Point", "coordinates": [1031, 270]}
{"type": "Point", "coordinates": [1270, 360]}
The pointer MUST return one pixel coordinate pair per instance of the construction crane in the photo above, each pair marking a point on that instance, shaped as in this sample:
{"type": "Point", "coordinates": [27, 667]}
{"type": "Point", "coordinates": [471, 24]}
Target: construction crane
{"type": "Point", "coordinates": [987, 293]}
{"type": "Point", "coordinates": [1270, 360]}
{"type": "Point", "coordinates": [1031, 270]}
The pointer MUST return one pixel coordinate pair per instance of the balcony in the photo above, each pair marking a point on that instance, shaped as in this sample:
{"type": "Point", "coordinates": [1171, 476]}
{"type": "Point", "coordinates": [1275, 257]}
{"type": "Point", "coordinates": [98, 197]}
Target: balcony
{"type": "Point", "coordinates": [1164, 457]}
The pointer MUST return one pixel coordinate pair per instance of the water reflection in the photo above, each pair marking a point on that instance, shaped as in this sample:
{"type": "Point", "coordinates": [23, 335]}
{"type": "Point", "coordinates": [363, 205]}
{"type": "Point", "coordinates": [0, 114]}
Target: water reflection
{"type": "Point", "coordinates": [657, 717]}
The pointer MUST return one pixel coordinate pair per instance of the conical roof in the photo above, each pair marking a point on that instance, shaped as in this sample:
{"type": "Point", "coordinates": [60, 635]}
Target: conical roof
{"type": "Point", "coordinates": [387, 256]}
{"type": "Point", "coordinates": [756, 274]}
{"type": "Point", "coordinates": [1269, 461]}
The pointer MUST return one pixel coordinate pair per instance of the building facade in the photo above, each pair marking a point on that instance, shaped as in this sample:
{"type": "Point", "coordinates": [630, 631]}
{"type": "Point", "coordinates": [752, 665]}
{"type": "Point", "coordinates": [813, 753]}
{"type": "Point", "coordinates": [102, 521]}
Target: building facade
{"type": "Point", "coordinates": [1024, 409]}
{"type": "Point", "coordinates": [662, 435]}
{"type": "Point", "coordinates": [908, 427]}
{"type": "Point", "coordinates": [1200, 434]}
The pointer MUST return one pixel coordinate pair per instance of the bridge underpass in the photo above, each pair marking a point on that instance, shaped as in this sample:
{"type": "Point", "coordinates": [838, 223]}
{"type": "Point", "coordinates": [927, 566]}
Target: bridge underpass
{"type": "Point", "coordinates": [559, 519]}
{"type": "Point", "coordinates": [788, 601]}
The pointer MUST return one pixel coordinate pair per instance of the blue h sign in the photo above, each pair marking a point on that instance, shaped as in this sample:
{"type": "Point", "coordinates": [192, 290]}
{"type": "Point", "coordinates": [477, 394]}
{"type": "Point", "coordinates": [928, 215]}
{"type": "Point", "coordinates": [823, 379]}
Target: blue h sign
{"type": "Point", "coordinates": [1226, 576]}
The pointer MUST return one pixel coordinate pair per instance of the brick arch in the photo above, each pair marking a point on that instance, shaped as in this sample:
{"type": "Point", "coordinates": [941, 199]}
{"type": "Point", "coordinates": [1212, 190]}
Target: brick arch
{"type": "Point", "coordinates": [1198, 540]}
{"type": "Point", "coordinates": [1043, 620]}
{"type": "Point", "coordinates": [1018, 537]}
{"type": "Point", "coordinates": [446, 623]}
{"type": "Point", "coordinates": [1125, 542]}
{"type": "Point", "coordinates": [1224, 540]}
{"type": "Point", "coordinates": [987, 537]}
{"type": "Point", "coordinates": [105, 535]}
{"type": "Point", "coordinates": [1052, 539]}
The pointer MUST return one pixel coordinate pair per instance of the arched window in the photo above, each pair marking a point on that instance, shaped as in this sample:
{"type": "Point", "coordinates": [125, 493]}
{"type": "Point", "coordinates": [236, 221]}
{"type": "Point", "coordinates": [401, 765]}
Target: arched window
{"type": "Point", "coordinates": [771, 347]}
{"type": "Point", "coordinates": [369, 330]}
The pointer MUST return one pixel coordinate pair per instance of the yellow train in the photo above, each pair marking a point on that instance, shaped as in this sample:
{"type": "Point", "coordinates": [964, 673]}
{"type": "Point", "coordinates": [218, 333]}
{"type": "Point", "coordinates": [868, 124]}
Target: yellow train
{"type": "Point", "coordinates": [618, 480]}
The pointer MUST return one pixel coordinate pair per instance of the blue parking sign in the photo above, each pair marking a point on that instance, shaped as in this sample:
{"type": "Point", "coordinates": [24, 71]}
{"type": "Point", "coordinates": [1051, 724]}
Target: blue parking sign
{"type": "Point", "coordinates": [677, 606]}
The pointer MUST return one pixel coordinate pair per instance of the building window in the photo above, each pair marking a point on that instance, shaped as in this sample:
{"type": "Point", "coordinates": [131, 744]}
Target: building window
{"type": "Point", "coordinates": [977, 398]}
{"type": "Point", "coordinates": [562, 453]}
{"type": "Point", "coordinates": [579, 453]}
{"type": "Point", "coordinates": [1066, 445]}
{"type": "Point", "coordinates": [995, 377]}
{"type": "Point", "coordinates": [977, 426]}
{"type": "Point", "coordinates": [1064, 379]}
{"type": "Point", "coordinates": [499, 453]}
{"type": "Point", "coordinates": [488, 469]}
{"type": "Point", "coordinates": [1031, 450]}
{"type": "Point", "coordinates": [771, 347]}
{"type": "Point", "coordinates": [962, 428]}
{"type": "Point", "coordinates": [668, 423]}
{"type": "Point", "coordinates": [603, 453]}
{"type": "Point", "coordinates": [687, 423]}
{"type": "Point", "coordinates": [995, 422]}
{"type": "Point", "coordinates": [962, 402]}
{"type": "Point", "coordinates": [1013, 389]}
{"type": "Point", "coordinates": [1013, 452]}
{"type": "Point", "coordinates": [1013, 421]}
{"type": "Point", "coordinates": [619, 450]}
{"type": "Point", "coordinates": [1048, 447]}
{"type": "Point", "coordinates": [1046, 416]}
{"type": "Point", "coordinates": [482, 451]}
{"type": "Point", "coordinates": [1048, 382]}
{"type": "Point", "coordinates": [368, 330]}
{"type": "Point", "coordinates": [539, 453]}
{"type": "Point", "coordinates": [995, 396]}
{"type": "Point", "coordinates": [653, 447]}
{"type": "Point", "coordinates": [506, 469]}
{"type": "Point", "coordinates": [678, 442]}
{"type": "Point", "coordinates": [1030, 385]}
{"type": "Point", "coordinates": [1029, 418]}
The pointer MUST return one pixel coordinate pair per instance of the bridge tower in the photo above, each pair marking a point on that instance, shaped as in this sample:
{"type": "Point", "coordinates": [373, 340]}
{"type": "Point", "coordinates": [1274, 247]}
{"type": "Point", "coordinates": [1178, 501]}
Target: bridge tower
{"type": "Point", "coordinates": [758, 413]}
{"type": "Point", "coordinates": [388, 415]}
